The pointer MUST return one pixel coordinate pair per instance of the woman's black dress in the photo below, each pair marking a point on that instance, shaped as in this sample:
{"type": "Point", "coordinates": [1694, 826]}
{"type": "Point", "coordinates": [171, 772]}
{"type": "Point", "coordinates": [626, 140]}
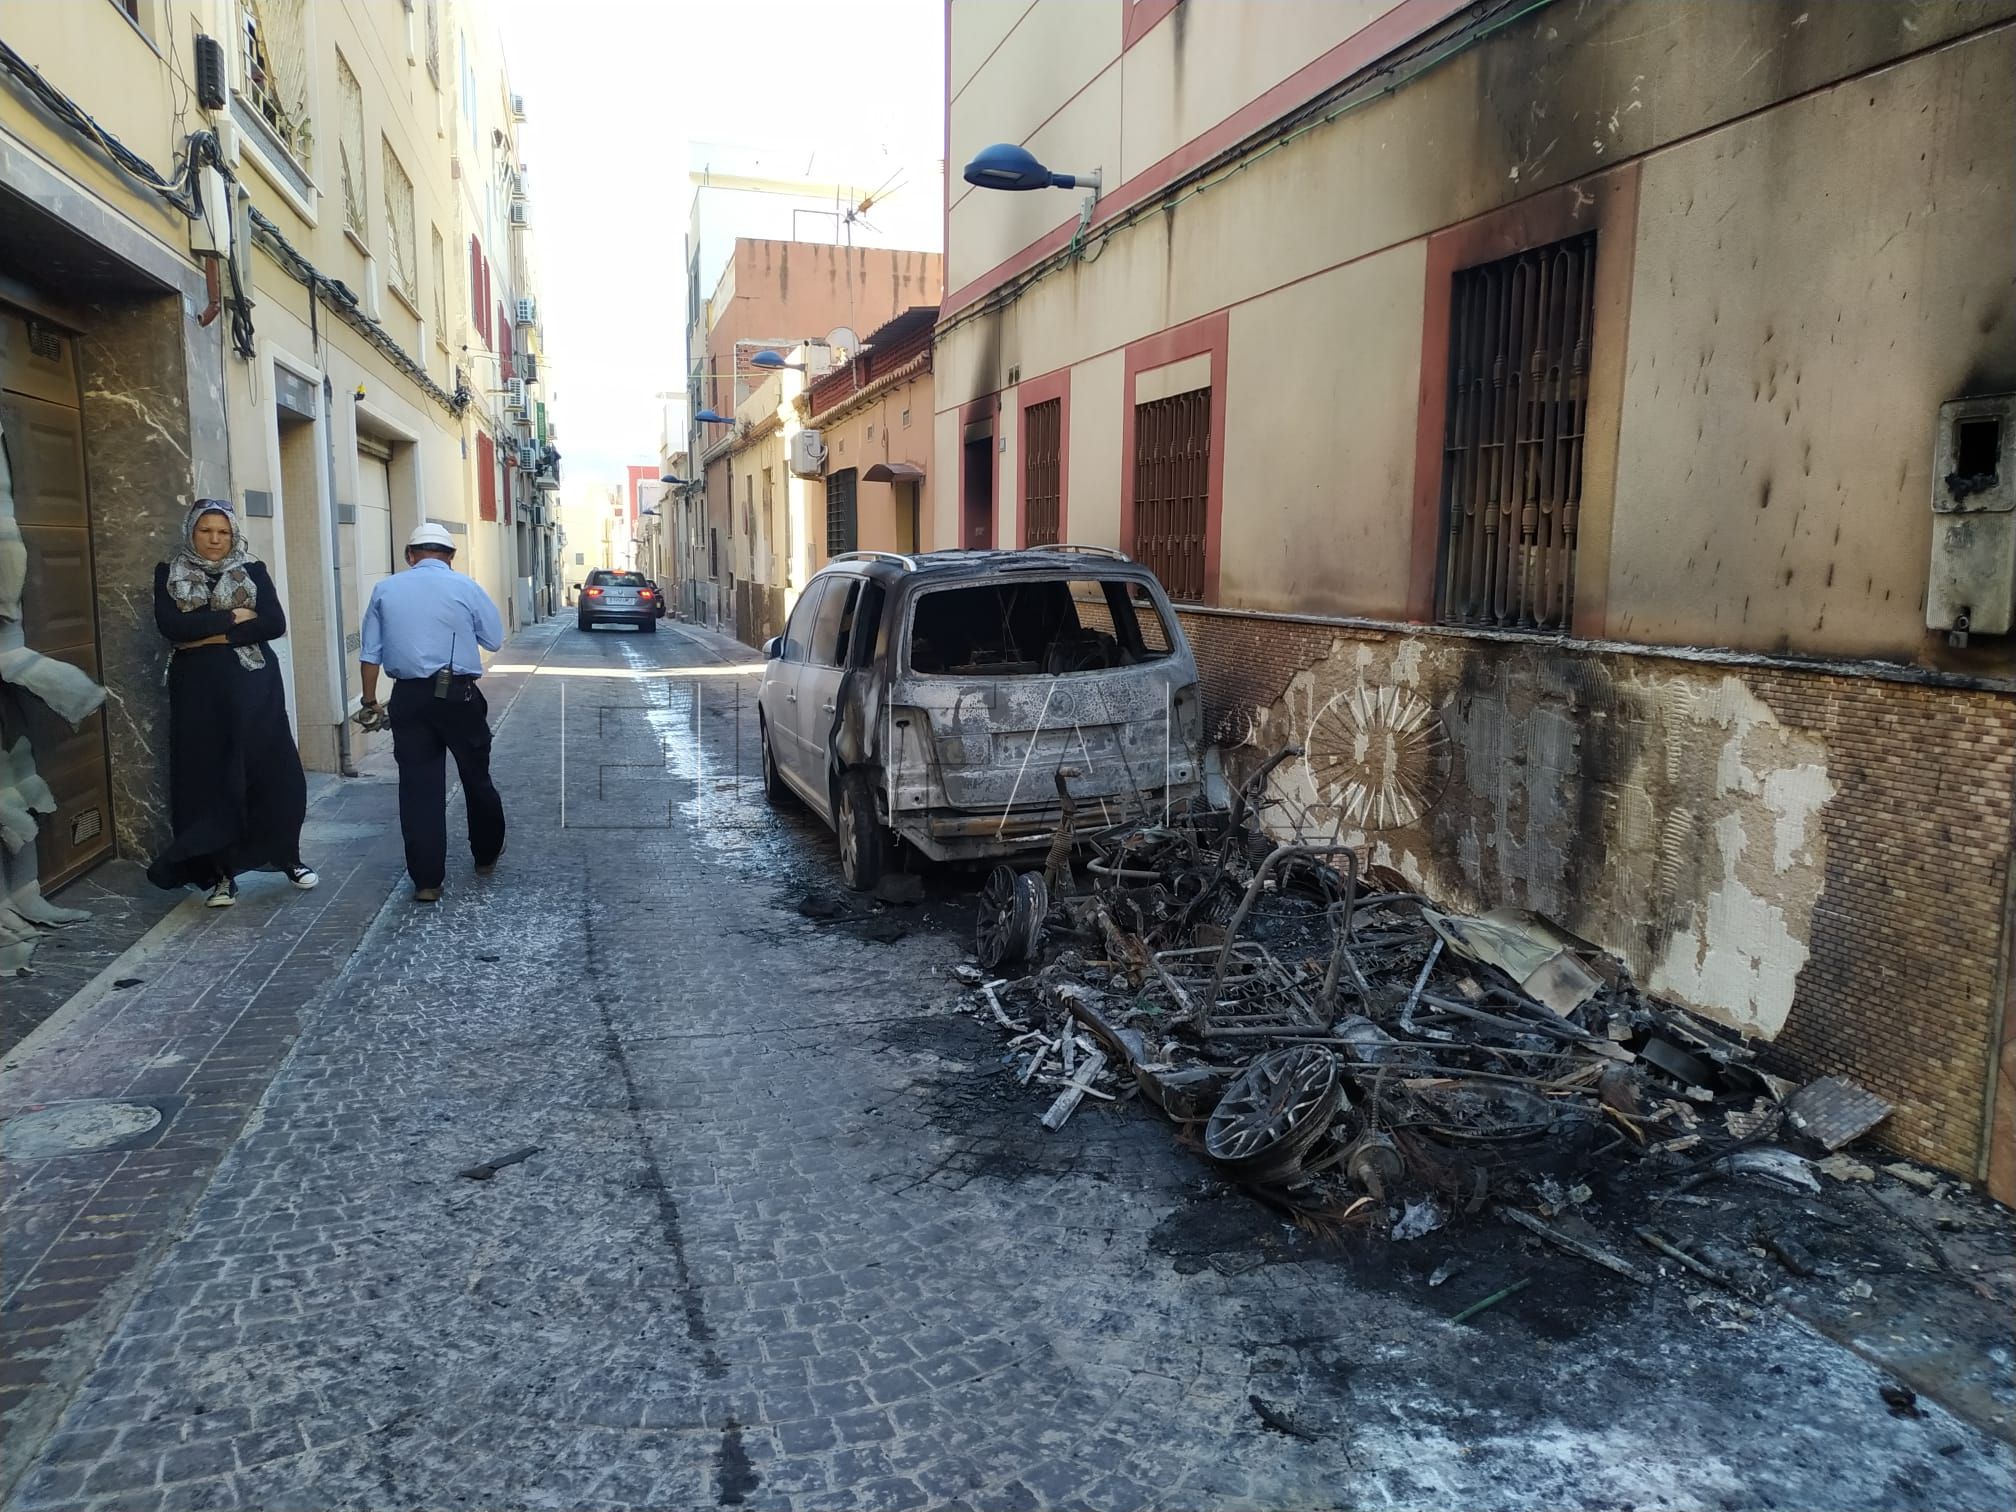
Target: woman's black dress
{"type": "Point", "coordinates": [234, 772]}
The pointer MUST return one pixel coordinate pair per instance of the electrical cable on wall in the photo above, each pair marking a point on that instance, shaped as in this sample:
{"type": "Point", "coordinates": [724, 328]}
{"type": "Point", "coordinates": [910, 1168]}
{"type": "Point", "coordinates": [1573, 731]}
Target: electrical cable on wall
{"type": "Point", "coordinates": [183, 193]}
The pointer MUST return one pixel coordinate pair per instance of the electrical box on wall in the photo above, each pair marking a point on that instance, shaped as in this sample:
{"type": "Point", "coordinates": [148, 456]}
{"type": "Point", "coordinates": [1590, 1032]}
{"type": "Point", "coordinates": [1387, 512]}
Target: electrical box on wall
{"type": "Point", "coordinates": [1972, 590]}
{"type": "Point", "coordinates": [210, 73]}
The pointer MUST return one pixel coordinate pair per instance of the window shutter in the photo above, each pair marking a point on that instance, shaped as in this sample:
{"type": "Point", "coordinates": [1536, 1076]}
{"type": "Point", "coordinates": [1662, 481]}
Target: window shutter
{"type": "Point", "coordinates": [486, 475]}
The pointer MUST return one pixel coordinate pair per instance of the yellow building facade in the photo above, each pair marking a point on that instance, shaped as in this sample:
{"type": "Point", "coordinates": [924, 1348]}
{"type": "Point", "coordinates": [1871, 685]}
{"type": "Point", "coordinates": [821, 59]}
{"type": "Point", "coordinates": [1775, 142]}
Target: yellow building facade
{"type": "Point", "coordinates": [329, 319]}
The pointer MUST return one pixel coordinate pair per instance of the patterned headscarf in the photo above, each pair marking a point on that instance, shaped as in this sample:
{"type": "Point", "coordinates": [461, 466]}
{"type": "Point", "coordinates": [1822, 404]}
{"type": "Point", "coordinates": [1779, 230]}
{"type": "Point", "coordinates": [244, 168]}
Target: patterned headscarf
{"type": "Point", "coordinates": [195, 582]}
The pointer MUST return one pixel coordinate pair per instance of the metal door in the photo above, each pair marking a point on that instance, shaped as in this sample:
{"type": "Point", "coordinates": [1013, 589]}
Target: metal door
{"type": "Point", "coordinates": [45, 446]}
{"type": "Point", "coordinates": [375, 554]}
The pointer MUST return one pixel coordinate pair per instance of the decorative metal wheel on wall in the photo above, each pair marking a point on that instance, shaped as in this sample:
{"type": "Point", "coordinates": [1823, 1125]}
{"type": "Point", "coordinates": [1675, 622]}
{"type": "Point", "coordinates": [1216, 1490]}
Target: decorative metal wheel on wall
{"type": "Point", "coordinates": [1379, 758]}
{"type": "Point", "coordinates": [1277, 1109]}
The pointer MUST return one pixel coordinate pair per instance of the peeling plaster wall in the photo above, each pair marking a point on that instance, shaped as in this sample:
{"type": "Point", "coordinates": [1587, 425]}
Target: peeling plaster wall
{"type": "Point", "coordinates": [1667, 813]}
{"type": "Point", "coordinates": [1816, 860]}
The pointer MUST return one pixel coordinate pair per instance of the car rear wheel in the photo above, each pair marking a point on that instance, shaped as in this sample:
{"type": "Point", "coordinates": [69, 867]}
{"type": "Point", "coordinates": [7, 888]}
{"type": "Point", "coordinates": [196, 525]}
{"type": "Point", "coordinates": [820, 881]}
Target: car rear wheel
{"type": "Point", "coordinates": [582, 622]}
{"type": "Point", "coordinates": [864, 844]}
{"type": "Point", "coordinates": [774, 788]}
{"type": "Point", "coordinates": [649, 627]}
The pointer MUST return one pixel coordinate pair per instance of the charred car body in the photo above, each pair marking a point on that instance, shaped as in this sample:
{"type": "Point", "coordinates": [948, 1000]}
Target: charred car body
{"type": "Point", "coordinates": [972, 703]}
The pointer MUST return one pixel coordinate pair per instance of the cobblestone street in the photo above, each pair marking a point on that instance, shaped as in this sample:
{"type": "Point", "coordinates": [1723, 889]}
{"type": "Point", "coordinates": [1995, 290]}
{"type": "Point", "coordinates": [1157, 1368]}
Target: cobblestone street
{"type": "Point", "coordinates": [790, 1237]}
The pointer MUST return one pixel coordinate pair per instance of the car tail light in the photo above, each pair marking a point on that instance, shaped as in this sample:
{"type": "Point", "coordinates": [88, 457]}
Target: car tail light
{"type": "Point", "coordinates": [594, 593]}
{"type": "Point", "coordinates": [643, 593]}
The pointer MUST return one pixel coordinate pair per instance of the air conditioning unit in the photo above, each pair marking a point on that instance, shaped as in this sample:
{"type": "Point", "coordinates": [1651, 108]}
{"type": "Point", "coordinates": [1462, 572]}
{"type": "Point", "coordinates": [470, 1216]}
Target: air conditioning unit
{"type": "Point", "coordinates": [528, 312]}
{"type": "Point", "coordinates": [528, 365]}
{"type": "Point", "coordinates": [514, 395]}
{"type": "Point", "coordinates": [528, 455]}
{"type": "Point", "coordinates": [808, 453]}
{"type": "Point", "coordinates": [517, 107]}
{"type": "Point", "coordinates": [521, 213]}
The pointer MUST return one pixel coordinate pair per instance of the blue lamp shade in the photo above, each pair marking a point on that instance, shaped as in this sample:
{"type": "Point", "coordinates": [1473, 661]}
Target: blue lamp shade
{"type": "Point", "coordinates": [769, 361]}
{"type": "Point", "coordinates": [1006, 166]}
{"type": "Point", "coordinates": [672, 478]}
{"type": "Point", "coordinates": [708, 417]}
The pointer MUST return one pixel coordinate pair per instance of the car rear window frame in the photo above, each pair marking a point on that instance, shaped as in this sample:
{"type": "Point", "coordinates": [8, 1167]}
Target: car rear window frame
{"type": "Point", "coordinates": [905, 666]}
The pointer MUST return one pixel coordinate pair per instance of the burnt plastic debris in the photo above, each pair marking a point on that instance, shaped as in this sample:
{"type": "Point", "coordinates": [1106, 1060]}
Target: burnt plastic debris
{"type": "Point", "coordinates": [1349, 1052]}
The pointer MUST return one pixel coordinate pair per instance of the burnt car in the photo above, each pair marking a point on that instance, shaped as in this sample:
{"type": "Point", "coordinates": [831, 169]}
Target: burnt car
{"type": "Point", "coordinates": [971, 703]}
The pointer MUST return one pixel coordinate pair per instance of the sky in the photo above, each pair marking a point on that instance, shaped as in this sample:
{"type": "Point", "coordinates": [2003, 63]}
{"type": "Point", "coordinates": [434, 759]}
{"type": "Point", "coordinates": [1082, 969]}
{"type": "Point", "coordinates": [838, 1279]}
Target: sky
{"type": "Point", "coordinates": [614, 90]}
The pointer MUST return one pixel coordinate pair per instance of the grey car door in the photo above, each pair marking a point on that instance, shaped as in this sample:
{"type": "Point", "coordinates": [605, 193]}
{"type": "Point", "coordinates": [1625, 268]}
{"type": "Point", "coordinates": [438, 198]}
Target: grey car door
{"type": "Point", "coordinates": [781, 680]}
{"type": "Point", "coordinates": [819, 684]}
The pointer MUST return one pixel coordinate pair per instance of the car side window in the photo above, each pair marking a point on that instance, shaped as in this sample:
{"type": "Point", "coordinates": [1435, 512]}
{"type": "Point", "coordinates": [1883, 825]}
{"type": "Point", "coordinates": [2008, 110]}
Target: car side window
{"type": "Point", "coordinates": [836, 620]}
{"type": "Point", "coordinates": [798, 633]}
{"type": "Point", "coordinates": [862, 639]}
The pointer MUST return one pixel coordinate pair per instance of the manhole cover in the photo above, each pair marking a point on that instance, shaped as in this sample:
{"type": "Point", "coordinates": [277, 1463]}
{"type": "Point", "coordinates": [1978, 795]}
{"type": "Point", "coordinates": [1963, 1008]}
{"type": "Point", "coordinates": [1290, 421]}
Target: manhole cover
{"type": "Point", "coordinates": [75, 1129]}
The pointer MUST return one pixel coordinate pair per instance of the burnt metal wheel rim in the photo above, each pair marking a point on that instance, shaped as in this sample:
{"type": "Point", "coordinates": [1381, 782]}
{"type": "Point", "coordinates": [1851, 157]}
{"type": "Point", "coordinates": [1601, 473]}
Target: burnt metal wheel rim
{"type": "Point", "coordinates": [850, 841]}
{"type": "Point", "coordinates": [1277, 1108]}
{"type": "Point", "coordinates": [1010, 922]}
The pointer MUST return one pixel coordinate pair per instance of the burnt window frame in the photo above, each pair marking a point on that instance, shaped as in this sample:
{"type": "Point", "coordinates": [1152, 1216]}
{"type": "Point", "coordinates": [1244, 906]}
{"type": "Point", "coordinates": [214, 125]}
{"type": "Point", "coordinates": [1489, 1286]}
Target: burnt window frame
{"type": "Point", "coordinates": [1515, 437]}
{"type": "Point", "coordinates": [1172, 483]}
{"type": "Point", "coordinates": [1043, 472]}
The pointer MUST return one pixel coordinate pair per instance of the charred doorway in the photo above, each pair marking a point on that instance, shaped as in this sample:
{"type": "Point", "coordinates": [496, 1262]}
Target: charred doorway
{"type": "Point", "coordinates": [976, 530]}
{"type": "Point", "coordinates": [41, 415]}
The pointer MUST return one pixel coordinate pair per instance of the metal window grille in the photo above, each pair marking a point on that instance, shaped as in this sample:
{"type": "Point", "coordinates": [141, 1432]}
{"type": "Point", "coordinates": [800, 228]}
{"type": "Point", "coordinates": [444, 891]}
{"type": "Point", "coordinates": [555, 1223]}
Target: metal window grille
{"type": "Point", "coordinates": [276, 69]}
{"type": "Point", "coordinates": [402, 247]}
{"type": "Point", "coordinates": [842, 528]}
{"type": "Point", "coordinates": [1172, 485]}
{"type": "Point", "coordinates": [350, 147]}
{"type": "Point", "coordinates": [1043, 471]}
{"type": "Point", "coordinates": [1519, 335]}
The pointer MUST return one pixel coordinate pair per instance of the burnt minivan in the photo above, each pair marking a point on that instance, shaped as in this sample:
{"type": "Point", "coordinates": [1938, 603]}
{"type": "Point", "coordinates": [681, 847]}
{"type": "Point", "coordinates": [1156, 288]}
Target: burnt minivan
{"type": "Point", "coordinates": [954, 699]}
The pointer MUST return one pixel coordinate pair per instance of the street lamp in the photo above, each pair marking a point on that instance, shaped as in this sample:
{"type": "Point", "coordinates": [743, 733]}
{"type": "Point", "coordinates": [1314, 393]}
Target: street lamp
{"type": "Point", "coordinates": [773, 362]}
{"type": "Point", "coordinates": [708, 417]}
{"type": "Point", "coordinates": [1007, 166]}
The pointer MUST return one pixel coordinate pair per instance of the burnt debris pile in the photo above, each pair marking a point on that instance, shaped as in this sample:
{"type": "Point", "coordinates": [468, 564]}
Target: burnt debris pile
{"type": "Point", "coordinates": [1342, 1048]}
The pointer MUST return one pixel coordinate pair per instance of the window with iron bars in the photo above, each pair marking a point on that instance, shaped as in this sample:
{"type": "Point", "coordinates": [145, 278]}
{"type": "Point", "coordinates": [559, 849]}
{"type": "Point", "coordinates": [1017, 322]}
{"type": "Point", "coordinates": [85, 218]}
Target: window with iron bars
{"type": "Point", "coordinates": [1172, 488]}
{"type": "Point", "coordinates": [1519, 340]}
{"type": "Point", "coordinates": [1042, 472]}
{"type": "Point", "coordinates": [350, 147]}
{"type": "Point", "coordinates": [276, 69]}
{"type": "Point", "coordinates": [401, 229]}
{"type": "Point", "coordinates": [842, 527]}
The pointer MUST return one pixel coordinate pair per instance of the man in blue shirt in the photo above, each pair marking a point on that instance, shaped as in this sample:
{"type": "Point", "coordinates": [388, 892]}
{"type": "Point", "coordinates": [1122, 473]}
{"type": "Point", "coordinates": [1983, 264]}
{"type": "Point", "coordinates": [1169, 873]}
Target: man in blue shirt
{"type": "Point", "coordinates": [424, 628]}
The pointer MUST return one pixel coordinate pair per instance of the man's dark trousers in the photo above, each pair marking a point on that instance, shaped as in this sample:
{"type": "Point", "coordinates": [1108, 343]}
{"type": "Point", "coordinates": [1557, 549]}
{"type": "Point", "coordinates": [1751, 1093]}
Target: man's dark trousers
{"type": "Point", "coordinates": [425, 730]}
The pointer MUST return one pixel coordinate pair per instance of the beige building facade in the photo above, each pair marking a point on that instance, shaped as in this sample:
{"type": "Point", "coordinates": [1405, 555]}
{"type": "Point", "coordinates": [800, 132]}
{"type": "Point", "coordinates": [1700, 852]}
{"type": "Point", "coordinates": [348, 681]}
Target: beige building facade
{"type": "Point", "coordinates": [774, 297]}
{"type": "Point", "coordinates": [343, 340]}
{"type": "Point", "coordinates": [1540, 415]}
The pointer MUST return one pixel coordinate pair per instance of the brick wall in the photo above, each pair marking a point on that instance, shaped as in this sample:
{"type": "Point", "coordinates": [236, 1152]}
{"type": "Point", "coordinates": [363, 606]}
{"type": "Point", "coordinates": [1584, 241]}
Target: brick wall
{"type": "Point", "coordinates": [1903, 921]}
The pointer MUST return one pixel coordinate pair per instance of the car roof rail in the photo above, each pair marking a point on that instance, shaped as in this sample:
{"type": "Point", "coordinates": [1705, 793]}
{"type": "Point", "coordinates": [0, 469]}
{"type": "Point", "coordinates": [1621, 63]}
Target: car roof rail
{"type": "Point", "coordinates": [908, 564]}
{"type": "Point", "coordinates": [1105, 551]}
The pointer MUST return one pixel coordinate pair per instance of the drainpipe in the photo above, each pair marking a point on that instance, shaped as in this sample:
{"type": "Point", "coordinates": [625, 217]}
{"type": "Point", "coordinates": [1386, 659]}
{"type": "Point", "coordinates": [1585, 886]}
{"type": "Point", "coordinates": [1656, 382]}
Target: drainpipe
{"type": "Point", "coordinates": [344, 764]}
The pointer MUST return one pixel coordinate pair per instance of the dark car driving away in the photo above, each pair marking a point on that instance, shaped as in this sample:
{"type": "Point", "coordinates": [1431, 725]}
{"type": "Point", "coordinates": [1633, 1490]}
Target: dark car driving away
{"type": "Point", "coordinates": [613, 597]}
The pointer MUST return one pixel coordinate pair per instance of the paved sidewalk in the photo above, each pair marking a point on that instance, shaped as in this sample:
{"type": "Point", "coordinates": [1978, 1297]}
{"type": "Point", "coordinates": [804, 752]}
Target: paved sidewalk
{"type": "Point", "coordinates": [190, 1022]}
{"type": "Point", "coordinates": [789, 1237]}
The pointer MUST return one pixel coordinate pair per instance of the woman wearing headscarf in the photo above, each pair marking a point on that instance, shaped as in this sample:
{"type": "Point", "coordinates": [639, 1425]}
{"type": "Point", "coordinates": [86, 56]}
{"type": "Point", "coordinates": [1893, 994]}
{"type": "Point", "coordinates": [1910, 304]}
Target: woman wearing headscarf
{"type": "Point", "coordinates": [235, 780]}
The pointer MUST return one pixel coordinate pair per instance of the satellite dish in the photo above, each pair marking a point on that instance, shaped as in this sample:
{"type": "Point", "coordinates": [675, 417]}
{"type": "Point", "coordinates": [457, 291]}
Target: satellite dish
{"type": "Point", "coordinates": [843, 339]}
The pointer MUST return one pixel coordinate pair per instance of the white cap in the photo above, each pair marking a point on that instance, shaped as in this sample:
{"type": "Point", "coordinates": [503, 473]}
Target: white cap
{"type": "Point", "coordinates": [432, 535]}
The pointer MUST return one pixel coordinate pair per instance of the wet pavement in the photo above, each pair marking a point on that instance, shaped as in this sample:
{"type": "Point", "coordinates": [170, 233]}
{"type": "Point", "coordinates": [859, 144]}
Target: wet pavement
{"type": "Point", "coordinates": [790, 1237]}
